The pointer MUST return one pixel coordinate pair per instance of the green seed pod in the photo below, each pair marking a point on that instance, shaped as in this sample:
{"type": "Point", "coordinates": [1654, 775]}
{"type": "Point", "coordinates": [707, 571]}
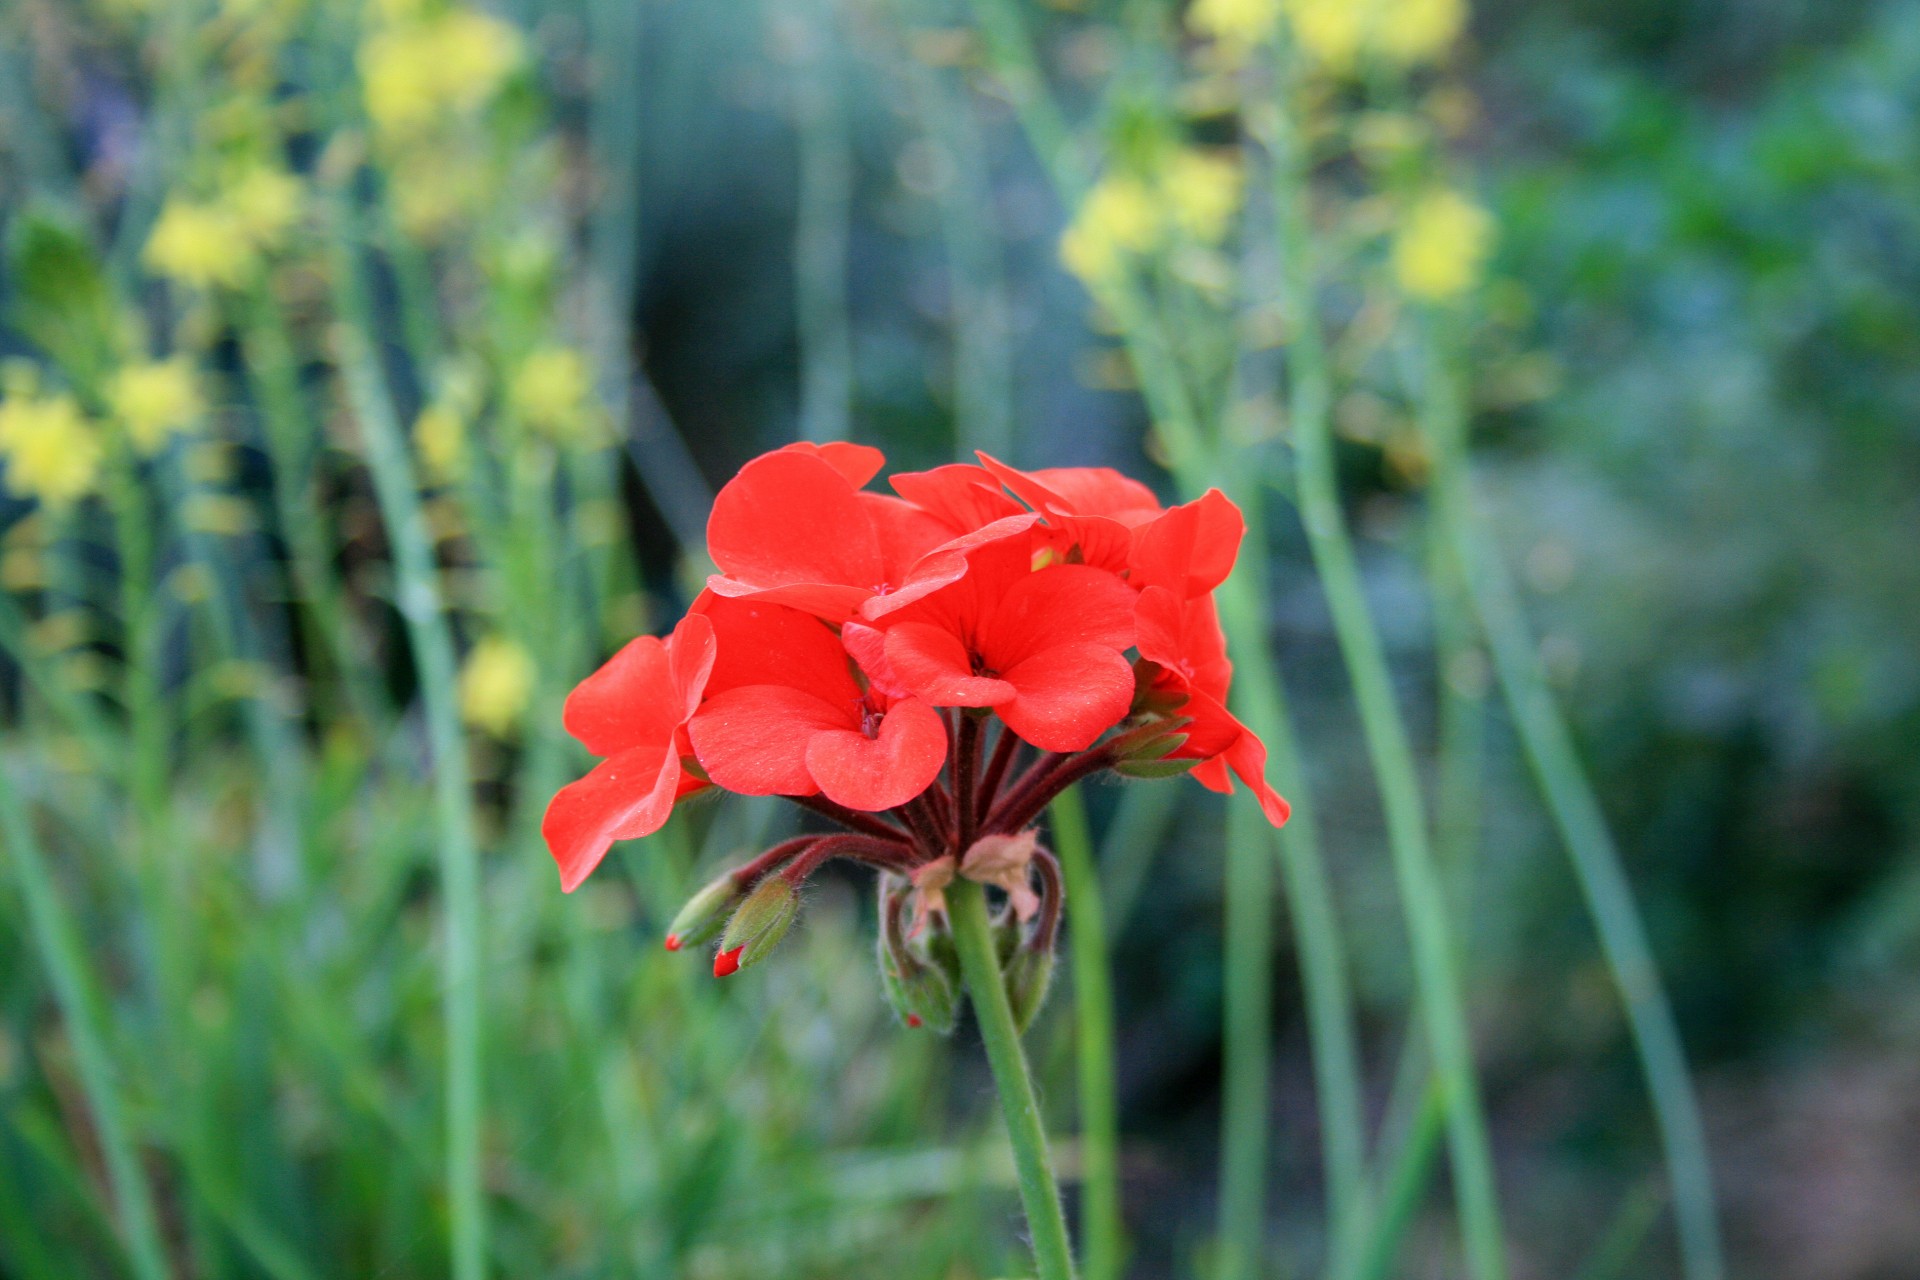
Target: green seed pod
{"type": "Point", "coordinates": [1028, 978]}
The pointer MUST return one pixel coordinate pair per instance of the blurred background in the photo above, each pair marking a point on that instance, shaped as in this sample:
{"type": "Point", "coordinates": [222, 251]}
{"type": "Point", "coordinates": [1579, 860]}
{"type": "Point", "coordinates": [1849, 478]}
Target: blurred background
{"type": "Point", "coordinates": [368, 372]}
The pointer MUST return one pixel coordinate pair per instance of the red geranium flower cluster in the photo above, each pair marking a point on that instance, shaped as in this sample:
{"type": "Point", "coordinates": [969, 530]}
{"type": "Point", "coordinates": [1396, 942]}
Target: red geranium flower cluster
{"type": "Point", "coordinates": [888, 661]}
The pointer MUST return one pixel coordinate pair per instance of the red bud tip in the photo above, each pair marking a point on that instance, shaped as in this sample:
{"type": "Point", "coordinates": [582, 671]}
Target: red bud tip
{"type": "Point", "coordinates": [727, 962]}
{"type": "Point", "coordinates": [673, 942]}
{"type": "Point", "coordinates": [913, 1019]}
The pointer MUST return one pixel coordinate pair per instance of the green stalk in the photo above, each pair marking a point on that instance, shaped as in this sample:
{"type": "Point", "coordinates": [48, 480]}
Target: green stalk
{"type": "Point", "coordinates": [1103, 1229]}
{"type": "Point", "coordinates": [1039, 1193]}
{"type": "Point", "coordinates": [820, 233]}
{"type": "Point", "coordinates": [1260, 695]}
{"type": "Point", "coordinates": [58, 943]}
{"type": "Point", "coordinates": [417, 596]}
{"type": "Point", "coordinates": [1422, 894]}
{"type": "Point", "coordinates": [1249, 992]}
{"type": "Point", "coordinates": [1549, 747]}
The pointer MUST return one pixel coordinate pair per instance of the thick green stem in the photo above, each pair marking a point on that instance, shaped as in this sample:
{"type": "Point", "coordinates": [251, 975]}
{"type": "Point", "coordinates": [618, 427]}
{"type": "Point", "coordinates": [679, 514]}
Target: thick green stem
{"type": "Point", "coordinates": [1103, 1238]}
{"type": "Point", "coordinates": [74, 990]}
{"type": "Point", "coordinates": [1039, 1193]}
{"type": "Point", "coordinates": [820, 231]}
{"type": "Point", "coordinates": [417, 595]}
{"type": "Point", "coordinates": [1422, 895]}
{"type": "Point", "coordinates": [1549, 747]}
{"type": "Point", "coordinates": [1249, 992]}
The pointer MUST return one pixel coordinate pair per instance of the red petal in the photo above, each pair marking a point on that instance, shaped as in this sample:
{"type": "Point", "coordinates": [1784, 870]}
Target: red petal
{"type": "Point", "coordinates": [1248, 758]}
{"type": "Point", "coordinates": [760, 643]}
{"type": "Point", "coordinates": [1184, 637]}
{"type": "Point", "coordinates": [754, 740]}
{"type": "Point", "coordinates": [881, 772]}
{"type": "Point", "coordinates": [961, 497]}
{"type": "Point", "coordinates": [905, 533]}
{"type": "Point", "coordinates": [691, 650]}
{"type": "Point", "coordinates": [859, 463]}
{"type": "Point", "coordinates": [1098, 541]}
{"type": "Point", "coordinates": [1079, 491]}
{"type": "Point", "coordinates": [1191, 548]}
{"type": "Point", "coordinates": [624, 798]}
{"type": "Point", "coordinates": [868, 646]}
{"type": "Point", "coordinates": [933, 663]}
{"type": "Point", "coordinates": [821, 599]}
{"type": "Point", "coordinates": [791, 518]}
{"type": "Point", "coordinates": [995, 555]}
{"type": "Point", "coordinates": [632, 699]}
{"type": "Point", "coordinates": [1064, 604]}
{"type": "Point", "coordinates": [1068, 695]}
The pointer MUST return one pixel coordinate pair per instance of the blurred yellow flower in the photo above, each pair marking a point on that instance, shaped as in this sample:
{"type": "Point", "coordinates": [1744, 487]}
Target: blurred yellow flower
{"type": "Point", "coordinates": [551, 392]}
{"type": "Point", "coordinates": [264, 203]}
{"type": "Point", "coordinates": [1333, 31]}
{"type": "Point", "coordinates": [1441, 246]}
{"type": "Point", "coordinates": [1118, 218]}
{"type": "Point", "coordinates": [495, 685]}
{"type": "Point", "coordinates": [1410, 31]}
{"type": "Point", "coordinates": [440, 436]}
{"type": "Point", "coordinates": [52, 452]}
{"type": "Point", "coordinates": [421, 70]}
{"type": "Point", "coordinates": [1337, 32]}
{"type": "Point", "coordinates": [1203, 191]}
{"type": "Point", "coordinates": [1238, 24]}
{"type": "Point", "coordinates": [156, 400]}
{"type": "Point", "coordinates": [200, 245]}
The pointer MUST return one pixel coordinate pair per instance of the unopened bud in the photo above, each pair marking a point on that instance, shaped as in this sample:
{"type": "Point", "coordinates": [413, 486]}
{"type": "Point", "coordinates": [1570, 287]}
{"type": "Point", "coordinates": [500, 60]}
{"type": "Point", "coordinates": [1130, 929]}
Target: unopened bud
{"type": "Point", "coordinates": [920, 974]}
{"type": "Point", "coordinates": [757, 927]}
{"type": "Point", "coordinates": [705, 913]}
{"type": "Point", "coordinates": [1028, 977]}
{"type": "Point", "coordinates": [1165, 768]}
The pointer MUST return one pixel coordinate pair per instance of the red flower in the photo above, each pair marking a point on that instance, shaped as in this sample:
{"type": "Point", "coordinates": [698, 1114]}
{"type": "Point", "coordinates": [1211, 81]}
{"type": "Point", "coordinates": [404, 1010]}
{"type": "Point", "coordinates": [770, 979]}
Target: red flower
{"type": "Point", "coordinates": [633, 711]}
{"type": "Point", "coordinates": [794, 528]}
{"type": "Point", "coordinates": [785, 715]}
{"type": "Point", "coordinates": [1043, 647]}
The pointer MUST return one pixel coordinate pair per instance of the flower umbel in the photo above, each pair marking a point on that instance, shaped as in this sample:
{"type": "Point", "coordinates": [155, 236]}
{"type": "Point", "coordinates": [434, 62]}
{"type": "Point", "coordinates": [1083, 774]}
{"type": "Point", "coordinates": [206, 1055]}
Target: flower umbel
{"type": "Point", "coordinates": [928, 672]}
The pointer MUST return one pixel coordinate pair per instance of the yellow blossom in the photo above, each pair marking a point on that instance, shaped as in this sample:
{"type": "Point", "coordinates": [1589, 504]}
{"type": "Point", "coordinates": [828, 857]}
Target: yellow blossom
{"type": "Point", "coordinates": [495, 685]}
{"type": "Point", "coordinates": [1441, 246]}
{"type": "Point", "coordinates": [1410, 31]}
{"type": "Point", "coordinates": [264, 203]}
{"type": "Point", "coordinates": [52, 452]}
{"type": "Point", "coordinates": [440, 435]}
{"type": "Point", "coordinates": [1333, 31]}
{"type": "Point", "coordinates": [421, 70]}
{"type": "Point", "coordinates": [199, 244]}
{"type": "Point", "coordinates": [1237, 24]}
{"type": "Point", "coordinates": [155, 400]}
{"type": "Point", "coordinates": [1203, 191]}
{"type": "Point", "coordinates": [1119, 217]}
{"type": "Point", "coordinates": [551, 391]}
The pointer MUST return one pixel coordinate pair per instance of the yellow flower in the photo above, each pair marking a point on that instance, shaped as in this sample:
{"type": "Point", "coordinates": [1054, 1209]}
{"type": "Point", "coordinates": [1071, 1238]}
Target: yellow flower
{"type": "Point", "coordinates": [1441, 246]}
{"type": "Point", "coordinates": [495, 685]}
{"type": "Point", "coordinates": [1333, 31]}
{"type": "Point", "coordinates": [52, 453]}
{"type": "Point", "coordinates": [1410, 31]}
{"type": "Point", "coordinates": [1239, 24]}
{"type": "Point", "coordinates": [264, 203]}
{"type": "Point", "coordinates": [1203, 190]}
{"type": "Point", "coordinates": [422, 70]}
{"type": "Point", "coordinates": [550, 392]}
{"type": "Point", "coordinates": [200, 245]}
{"type": "Point", "coordinates": [1118, 218]}
{"type": "Point", "coordinates": [440, 435]}
{"type": "Point", "coordinates": [155, 400]}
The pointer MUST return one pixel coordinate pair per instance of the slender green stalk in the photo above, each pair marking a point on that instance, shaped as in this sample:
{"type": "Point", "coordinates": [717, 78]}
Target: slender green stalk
{"type": "Point", "coordinates": [821, 222]}
{"type": "Point", "coordinates": [417, 595]}
{"type": "Point", "coordinates": [1549, 747]}
{"type": "Point", "coordinates": [1249, 992]}
{"type": "Point", "coordinates": [58, 943]}
{"type": "Point", "coordinates": [1103, 1238]}
{"type": "Point", "coordinates": [1422, 894]}
{"type": "Point", "coordinates": [1259, 694]}
{"type": "Point", "coordinates": [980, 967]}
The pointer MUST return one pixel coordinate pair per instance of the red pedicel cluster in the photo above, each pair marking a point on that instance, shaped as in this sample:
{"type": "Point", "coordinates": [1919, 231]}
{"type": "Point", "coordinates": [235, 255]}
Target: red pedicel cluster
{"type": "Point", "coordinates": [890, 662]}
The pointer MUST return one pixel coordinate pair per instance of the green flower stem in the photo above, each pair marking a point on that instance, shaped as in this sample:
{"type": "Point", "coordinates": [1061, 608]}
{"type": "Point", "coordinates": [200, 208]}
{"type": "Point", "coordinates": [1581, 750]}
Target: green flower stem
{"type": "Point", "coordinates": [58, 943]}
{"type": "Point", "coordinates": [417, 595]}
{"type": "Point", "coordinates": [821, 225]}
{"type": "Point", "coordinates": [1103, 1238]}
{"type": "Point", "coordinates": [1039, 1193]}
{"type": "Point", "coordinates": [1249, 998]}
{"type": "Point", "coordinates": [1422, 895]}
{"type": "Point", "coordinates": [1569, 793]}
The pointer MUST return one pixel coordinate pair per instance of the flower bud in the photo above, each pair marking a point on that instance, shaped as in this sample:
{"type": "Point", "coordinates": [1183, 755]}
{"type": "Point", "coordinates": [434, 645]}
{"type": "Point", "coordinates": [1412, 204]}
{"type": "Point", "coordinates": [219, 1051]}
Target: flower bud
{"type": "Point", "coordinates": [757, 927]}
{"type": "Point", "coordinates": [1028, 978]}
{"type": "Point", "coordinates": [705, 913]}
{"type": "Point", "coordinates": [920, 974]}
